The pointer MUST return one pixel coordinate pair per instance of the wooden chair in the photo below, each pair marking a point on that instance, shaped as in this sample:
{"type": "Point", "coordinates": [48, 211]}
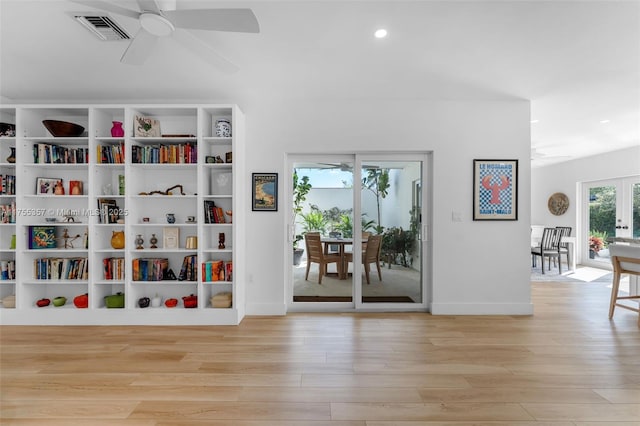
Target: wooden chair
{"type": "Point", "coordinates": [625, 260]}
{"type": "Point", "coordinates": [371, 254]}
{"type": "Point", "coordinates": [549, 247]}
{"type": "Point", "coordinates": [315, 254]}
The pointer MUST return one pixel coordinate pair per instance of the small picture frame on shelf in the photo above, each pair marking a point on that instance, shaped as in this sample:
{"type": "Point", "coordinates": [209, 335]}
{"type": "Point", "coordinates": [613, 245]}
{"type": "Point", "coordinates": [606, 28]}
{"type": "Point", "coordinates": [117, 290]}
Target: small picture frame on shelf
{"type": "Point", "coordinates": [75, 187]}
{"type": "Point", "coordinates": [264, 192]}
{"type": "Point", "coordinates": [47, 185]}
{"type": "Point", "coordinates": [170, 237]}
{"type": "Point", "coordinates": [146, 127]}
{"type": "Point", "coordinates": [495, 189]}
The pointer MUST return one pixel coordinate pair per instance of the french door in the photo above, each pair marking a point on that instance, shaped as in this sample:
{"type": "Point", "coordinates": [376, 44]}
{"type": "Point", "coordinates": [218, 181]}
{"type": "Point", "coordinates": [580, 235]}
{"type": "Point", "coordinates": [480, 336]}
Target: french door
{"type": "Point", "coordinates": [611, 209]}
{"type": "Point", "coordinates": [370, 212]}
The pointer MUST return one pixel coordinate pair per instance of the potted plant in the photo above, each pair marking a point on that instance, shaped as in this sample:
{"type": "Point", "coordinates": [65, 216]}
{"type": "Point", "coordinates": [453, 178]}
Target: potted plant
{"type": "Point", "coordinates": [596, 244]}
{"type": "Point", "coordinates": [301, 188]}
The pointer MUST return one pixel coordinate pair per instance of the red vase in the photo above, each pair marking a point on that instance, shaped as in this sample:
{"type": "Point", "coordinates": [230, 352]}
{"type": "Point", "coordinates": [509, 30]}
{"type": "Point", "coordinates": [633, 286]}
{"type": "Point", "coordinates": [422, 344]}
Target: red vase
{"type": "Point", "coordinates": [117, 131]}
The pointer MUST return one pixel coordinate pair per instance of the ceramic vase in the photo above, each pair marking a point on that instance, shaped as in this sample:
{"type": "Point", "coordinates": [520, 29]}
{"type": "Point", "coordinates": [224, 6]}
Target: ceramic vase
{"type": "Point", "coordinates": [12, 156]}
{"type": "Point", "coordinates": [117, 240]}
{"type": "Point", "coordinates": [117, 131]}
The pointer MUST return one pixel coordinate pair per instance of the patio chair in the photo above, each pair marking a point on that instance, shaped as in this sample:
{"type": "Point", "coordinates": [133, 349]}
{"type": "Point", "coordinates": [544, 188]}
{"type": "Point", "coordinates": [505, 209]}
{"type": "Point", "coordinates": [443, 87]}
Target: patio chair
{"type": "Point", "coordinates": [549, 247]}
{"type": "Point", "coordinates": [371, 254]}
{"type": "Point", "coordinates": [315, 254]}
{"type": "Point", "coordinates": [625, 260]}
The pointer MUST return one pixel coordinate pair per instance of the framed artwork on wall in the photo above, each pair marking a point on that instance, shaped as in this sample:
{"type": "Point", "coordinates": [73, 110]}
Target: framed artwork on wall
{"type": "Point", "coordinates": [264, 192]}
{"type": "Point", "coordinates": [495, 189]}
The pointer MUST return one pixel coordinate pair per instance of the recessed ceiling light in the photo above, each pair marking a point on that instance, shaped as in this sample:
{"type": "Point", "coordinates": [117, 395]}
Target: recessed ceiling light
{"type": "Point", "coordinates": [381, 33]}
{"type": "Point", "coordinates": [605, 121]}
{"type": "Point", "coordinates": [534, 121]}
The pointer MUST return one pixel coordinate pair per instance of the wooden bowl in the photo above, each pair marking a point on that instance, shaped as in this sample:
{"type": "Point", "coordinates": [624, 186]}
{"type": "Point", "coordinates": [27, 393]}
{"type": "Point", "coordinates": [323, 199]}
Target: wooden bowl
{"type": "Point", "coordinates": [63, 129]}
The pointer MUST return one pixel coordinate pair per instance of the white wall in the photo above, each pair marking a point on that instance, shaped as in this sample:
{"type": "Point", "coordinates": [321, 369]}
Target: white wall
{"type": "Point", "coordinates": [565, 177]}
{"type": "Point", "coordinates": [478, 267]}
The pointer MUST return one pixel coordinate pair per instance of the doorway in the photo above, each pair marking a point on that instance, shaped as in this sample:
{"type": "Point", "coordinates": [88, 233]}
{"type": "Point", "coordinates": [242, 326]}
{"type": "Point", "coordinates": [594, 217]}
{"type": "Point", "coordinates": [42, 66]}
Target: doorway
{"type": "Point", "coordinates": [368, 210]}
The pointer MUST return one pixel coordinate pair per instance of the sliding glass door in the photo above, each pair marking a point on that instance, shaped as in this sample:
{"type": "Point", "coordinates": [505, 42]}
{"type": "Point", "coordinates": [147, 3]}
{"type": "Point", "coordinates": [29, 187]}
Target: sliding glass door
{"type": "Point", "coordinates": [368, 212]}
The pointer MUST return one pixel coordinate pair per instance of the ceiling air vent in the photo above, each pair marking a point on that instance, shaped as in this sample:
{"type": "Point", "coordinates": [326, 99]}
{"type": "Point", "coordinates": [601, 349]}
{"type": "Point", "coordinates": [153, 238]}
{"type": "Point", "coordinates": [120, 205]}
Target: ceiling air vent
{"type": "Point", "coordinates": [102, 26]}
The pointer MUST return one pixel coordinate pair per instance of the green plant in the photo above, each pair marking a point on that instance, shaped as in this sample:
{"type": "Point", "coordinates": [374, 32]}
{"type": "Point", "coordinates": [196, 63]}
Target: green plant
{"type": "Point", "coordinates": [301, 188]}
{"type": "Point", "coordinates": [345, 225]}
{"type": "Point", "coordinates": [397, 245]}
{"type": "Point", "coordinates": [377, 181]}
{"type": "Point", "coordinates": [314, 221]}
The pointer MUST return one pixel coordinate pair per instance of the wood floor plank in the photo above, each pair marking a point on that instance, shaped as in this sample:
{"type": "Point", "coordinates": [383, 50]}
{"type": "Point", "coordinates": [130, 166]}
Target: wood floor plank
{"type": "Point", "coordinates": [566, 365]}
{"type": "Point", "coordinates": [428, 411]}
{"type": "Point", "coordinates": [585, 412]}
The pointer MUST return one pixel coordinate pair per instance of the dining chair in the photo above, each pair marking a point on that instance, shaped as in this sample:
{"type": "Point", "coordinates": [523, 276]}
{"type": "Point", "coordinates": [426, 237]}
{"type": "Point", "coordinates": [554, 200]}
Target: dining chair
{"type": "Point", "coordinates": [565, 231]}
{"type": "Point", "coordinates": [549, 247]}
{"type": "Point", "coordinates": [371, 254]}
{"type": "Point", "coordinates": [625, 260]}
{"type": "Point", "coordinates": [315, 254]}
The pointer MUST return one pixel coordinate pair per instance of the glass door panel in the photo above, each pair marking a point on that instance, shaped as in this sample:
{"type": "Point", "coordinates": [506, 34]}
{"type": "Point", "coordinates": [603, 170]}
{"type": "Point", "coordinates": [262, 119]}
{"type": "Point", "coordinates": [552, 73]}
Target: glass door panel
{"type": "Point", "coordinates": [603, 207]}
{"type": "Point", "coordinates": [323, 204]}
{"type": "Point", "coordinates": [391, 213]}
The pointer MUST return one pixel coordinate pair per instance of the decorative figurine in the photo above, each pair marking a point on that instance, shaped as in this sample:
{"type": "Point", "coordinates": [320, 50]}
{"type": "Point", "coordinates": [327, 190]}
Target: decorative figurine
{"type": "Point", "coordinates": [171, 218]}
{"type": "Point", "coordinates": [139, 241]}
{"type": "Point", "coordinates": [230, 214]}
{"type": "Point", "coordinates": [221, 240]}
{"type": "Point", "coordinates": [153, 240]}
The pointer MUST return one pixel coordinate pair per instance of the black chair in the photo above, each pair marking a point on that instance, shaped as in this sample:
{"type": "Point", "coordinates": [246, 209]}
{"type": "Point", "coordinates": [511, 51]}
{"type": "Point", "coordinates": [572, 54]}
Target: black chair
{"type": "Point", "coordinates": [549, 247]}
{"type": "Point", "coordinates": [565, 231]}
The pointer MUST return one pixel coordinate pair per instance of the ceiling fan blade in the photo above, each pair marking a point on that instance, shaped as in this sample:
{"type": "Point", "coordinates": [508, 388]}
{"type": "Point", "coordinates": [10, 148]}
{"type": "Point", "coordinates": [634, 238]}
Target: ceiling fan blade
{"type": "Point", "coordinates": [204, 51]}
{"type": "Point", "coordinates": [140, 48]}
{"type": "Point", "coordinates": [148, 6]}
{"type": "Point", "coordinates": [104, 5]}
{"type": "Point", "coordinates": [234, 20]}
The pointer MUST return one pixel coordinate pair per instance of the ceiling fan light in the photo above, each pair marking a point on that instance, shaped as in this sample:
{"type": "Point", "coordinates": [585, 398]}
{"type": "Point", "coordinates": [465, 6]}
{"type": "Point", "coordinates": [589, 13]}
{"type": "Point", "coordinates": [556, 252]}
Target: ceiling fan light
{"type": "Point", "coordinates": [156, 24]}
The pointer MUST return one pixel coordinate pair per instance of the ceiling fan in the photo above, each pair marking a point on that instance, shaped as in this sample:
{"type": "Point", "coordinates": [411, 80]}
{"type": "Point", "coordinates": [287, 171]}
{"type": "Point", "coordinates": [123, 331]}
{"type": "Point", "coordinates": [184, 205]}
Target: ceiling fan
{"type": "Point", "coordinates": [156, 22]}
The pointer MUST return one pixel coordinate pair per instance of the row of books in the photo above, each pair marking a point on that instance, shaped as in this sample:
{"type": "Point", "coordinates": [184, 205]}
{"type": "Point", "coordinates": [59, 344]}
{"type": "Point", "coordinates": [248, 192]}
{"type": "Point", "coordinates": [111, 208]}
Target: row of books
{"type": "Point", "coordinates": [7, 185]}
{"type": "Point", "coordinates": [44, 153]}
{"type": "Point", "coordinates": [149, 269]}
{"type": "Point", "coordinates": [61, 268]}
{"type": "Point", "coordinates": [113, 268]}
{"type": "Point", "coordinates": [189, 270]}
{"type": "Point", "coordinates": [108, 210]}
{"type": "Point", "coordinates": [7, 270]}
{"type": "Point", "coordinates": [217, 270]}
{"type": "Point", "coordinates": [186, 153]}
{"type": "Point", "coordinates": [111, 154]}
{"type": "Point", "coordinates": [213, 213]}
{"type": "Point", "coordinates": [8, 212]}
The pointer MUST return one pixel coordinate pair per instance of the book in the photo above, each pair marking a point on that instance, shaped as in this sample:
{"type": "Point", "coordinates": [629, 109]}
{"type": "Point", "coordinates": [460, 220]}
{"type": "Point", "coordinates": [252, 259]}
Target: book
{"type": "Point", "coordinates": [42, 237]}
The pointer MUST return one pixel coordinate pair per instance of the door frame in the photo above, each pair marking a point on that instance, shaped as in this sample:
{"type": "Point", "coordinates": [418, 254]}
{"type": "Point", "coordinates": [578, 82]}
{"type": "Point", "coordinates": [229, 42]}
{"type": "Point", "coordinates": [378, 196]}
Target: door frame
{"type": "Point", "coordinates": [426, 259]}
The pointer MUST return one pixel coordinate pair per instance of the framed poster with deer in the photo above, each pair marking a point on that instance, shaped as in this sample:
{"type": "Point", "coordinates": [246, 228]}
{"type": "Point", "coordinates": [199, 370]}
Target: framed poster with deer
{"type": "Point", "coordinates": [495, 189]}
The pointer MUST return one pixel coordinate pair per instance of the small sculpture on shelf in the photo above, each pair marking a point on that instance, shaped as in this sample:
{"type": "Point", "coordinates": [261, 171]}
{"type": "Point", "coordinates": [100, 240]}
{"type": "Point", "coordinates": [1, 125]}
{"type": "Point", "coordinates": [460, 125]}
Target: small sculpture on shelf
{"type": "Point", "coordinates": [154, 241]}
{"type": "Point", "coordinates": [139, 241]}
{"type": "Point", "coordinates": [166, 192]}
{"type": "Point", "coordinates": [230, 214]}
{"type": "Point", "coordinates": [221, 239]}
{"type": "Point", "coordinates": [68, 239]}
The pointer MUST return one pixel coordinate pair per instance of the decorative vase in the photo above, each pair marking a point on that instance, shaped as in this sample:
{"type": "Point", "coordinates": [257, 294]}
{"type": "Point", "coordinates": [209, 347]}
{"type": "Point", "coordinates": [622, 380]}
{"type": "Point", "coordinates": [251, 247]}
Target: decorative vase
{"type": "Point", "coordinates": [117, 131]}
{"type": "Point", "coordinates": [139, 241]}
{"type": "Point", "coordinates": [12, 156]}
{"type": "Point", "coordinates": [154, 241]}
{"type": "Point", "coordinates": [117, 240]}
{"type": "Point", "coordinates": [221, 239]}
{"type": "Point", "coordinates": [171, 218]}
{"type": "Point", "coordinates": [223, 128]}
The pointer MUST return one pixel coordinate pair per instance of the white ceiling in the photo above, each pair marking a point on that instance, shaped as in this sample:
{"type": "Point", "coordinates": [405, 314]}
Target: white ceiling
{"type": "Point", "coordinates": [578, 62]}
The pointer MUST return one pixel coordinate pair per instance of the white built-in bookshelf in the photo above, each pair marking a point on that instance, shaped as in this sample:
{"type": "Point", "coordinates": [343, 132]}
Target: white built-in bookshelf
{"type": "Point", "coordinates": [177, 187]}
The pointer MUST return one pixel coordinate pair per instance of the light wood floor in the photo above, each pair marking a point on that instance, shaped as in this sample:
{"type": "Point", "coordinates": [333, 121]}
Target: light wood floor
{"type": "Point", "coordinates": [566, 365]}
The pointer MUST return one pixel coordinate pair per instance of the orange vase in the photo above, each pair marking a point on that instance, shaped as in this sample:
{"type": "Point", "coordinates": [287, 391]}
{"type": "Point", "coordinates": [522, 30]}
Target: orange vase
{"type": "Point", "coordinates": [117, 240]}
